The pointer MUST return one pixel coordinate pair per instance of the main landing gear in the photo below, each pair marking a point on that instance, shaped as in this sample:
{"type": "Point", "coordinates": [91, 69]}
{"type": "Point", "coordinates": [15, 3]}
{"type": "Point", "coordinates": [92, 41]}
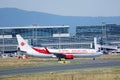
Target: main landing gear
{"type": "Point", "coordinates": [93, 58]}
{"type": "Point", "coordinates": [59, 59]}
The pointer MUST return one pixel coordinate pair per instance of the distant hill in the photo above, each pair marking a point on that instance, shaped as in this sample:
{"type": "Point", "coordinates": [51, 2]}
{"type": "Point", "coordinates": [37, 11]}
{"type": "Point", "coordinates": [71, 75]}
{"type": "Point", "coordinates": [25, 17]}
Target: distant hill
{"type": "Point", "coordinates": [16, 17]}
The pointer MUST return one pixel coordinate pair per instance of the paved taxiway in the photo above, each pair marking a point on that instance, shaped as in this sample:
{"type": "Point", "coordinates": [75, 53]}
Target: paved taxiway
{"type": "Point", "coordinates": [83, 64]}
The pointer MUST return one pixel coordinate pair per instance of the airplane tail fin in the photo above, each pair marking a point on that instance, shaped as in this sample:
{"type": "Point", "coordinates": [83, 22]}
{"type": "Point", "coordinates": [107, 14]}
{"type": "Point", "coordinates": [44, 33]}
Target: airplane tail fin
{"type": "Point", "coordinates": [95, 44]}
{"type": "Point", "coordinates": [23, 45]}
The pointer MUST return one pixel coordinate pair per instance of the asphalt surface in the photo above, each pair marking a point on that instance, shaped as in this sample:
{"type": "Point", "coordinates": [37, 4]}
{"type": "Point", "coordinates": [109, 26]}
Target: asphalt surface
{"type": "Point", "coordinates": [84, 64]}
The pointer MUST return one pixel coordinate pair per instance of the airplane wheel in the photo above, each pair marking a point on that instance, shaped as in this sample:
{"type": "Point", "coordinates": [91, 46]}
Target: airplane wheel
{"type": "Point", "coordinates": [93, 58]}
{"type": "Point", "coordinates": [59, 59]}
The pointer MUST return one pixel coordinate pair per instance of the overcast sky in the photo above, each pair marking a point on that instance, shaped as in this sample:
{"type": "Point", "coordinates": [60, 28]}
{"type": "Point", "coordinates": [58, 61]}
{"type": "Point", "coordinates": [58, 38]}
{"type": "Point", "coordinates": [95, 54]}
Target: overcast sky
{"type": "Point", "coordinates": [67, 7]}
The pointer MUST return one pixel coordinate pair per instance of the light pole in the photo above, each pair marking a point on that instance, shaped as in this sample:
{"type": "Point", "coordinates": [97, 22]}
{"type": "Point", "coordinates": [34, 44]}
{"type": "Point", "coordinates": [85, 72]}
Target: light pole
{"type": "Point", "coordinates": [34, 34]}
{"type": "Point", "coordinates": [59, 41]}
{"type": "Point", "coordinates": [104, 35]}
{"type": "Point", "coordinates": [3, 43]}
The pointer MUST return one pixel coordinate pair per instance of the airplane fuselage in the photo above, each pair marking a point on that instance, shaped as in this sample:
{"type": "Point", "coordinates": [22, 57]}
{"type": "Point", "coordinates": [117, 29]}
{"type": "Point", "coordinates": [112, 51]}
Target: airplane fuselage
{"type": "Point", "coordinates": [58, 53]}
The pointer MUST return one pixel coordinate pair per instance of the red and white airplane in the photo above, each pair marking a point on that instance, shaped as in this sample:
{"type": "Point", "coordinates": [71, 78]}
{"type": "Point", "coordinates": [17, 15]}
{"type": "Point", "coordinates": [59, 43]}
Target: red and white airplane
{"type": "Point", "coordinates": [44, 52]}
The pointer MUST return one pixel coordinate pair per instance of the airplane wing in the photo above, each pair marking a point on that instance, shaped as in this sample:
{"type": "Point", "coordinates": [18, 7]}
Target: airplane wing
{"type": "Point", "coordinates": [61, 55]}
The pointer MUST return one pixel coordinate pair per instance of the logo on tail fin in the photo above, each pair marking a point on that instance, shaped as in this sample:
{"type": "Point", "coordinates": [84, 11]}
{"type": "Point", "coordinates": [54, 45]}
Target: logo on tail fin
{"type": "Point", "coordinates": [22, 44]}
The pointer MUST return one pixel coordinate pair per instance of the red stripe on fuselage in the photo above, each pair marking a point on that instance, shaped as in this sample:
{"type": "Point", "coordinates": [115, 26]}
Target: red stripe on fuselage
{"type": "Point", "coordinates": [44, 51]}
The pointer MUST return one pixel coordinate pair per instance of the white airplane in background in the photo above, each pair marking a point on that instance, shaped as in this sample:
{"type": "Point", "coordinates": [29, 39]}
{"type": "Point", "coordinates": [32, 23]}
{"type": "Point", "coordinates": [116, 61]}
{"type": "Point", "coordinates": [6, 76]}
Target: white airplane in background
{"type": "Point", "coordinates": [44, 52]}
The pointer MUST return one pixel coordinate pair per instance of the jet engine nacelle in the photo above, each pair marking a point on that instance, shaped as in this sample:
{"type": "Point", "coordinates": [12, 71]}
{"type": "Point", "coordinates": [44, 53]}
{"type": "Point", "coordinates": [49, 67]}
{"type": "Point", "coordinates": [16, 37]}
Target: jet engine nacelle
{"type": "Point", "coordinates": [69, 57]}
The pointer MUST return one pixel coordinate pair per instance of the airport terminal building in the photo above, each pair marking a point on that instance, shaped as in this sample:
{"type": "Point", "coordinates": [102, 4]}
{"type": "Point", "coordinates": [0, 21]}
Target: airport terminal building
{"type": "Point", "coordinates": [36, 35]}
{"type": "Point", "coordinates": [58, 36]}
{"type": "Point", "coordinates": [109, 33]}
